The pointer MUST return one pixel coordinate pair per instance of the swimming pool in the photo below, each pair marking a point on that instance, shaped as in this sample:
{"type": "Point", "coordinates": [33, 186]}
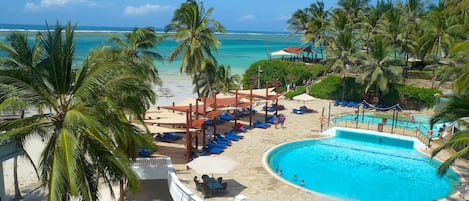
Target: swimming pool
{"type": "Point", "coordinates": [422, 122]}
{"type": "Point", "coordinates": [360, 166]}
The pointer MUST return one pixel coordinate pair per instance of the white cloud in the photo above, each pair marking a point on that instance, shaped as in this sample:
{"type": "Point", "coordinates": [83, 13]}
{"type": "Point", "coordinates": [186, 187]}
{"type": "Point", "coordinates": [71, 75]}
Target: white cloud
{"type": "Point", "coordinates": [147, 8]}
{"type": "Point", "coordinates": [248, 17]}
{"type": "Point", "coordinates": [53, 3]}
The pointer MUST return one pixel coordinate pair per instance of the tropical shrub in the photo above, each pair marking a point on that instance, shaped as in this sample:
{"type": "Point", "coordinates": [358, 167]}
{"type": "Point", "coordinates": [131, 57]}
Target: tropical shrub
{"type": "Point", "coordinates": [409, 97]}
{"type": "Point", "coordinates": [283, 71]}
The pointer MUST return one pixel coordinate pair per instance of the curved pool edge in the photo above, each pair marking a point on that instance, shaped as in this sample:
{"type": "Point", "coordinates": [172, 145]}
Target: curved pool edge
{"type": "Point", "coordinates": [266, 166]}
{"type": "Point", "coordinates": [331, 133]}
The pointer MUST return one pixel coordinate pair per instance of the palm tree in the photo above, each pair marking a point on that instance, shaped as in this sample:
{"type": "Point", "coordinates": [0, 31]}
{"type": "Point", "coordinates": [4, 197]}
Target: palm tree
{"type": "Point", "coordinates": [353, 8]}
{"type": "Point", "coordinates": [342, 46]}
{"type": "Point", "coordinates": [195, 33]}
{"type": "Point", "coordinates": [19, 53]}
{"type": "Point", "coordinates": [87, 127]}
{"type": "Point", "coordinates": [226, 81]}
{"type": "Point", "coordinates": [370, 20]}
{"type": "Point", "coordinates": [454, 111]}
{"type": "Point", "coordinates": [317, 26]}
{"type": "Point", "coordinates": [138, 46]}
{"type": "Point", "coordinates": [392, 28]}
{"type": "Point", "coordinates": [377, 69]}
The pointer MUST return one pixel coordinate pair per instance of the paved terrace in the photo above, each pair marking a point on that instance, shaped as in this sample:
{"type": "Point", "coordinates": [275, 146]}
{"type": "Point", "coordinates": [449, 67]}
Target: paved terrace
{"type": "Point", "coordinates": [249, 177]}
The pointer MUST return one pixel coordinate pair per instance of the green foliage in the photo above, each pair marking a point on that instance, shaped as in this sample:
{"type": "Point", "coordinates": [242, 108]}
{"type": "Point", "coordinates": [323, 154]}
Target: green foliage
{"type": "Point", "coordinates": [409, 97]}
{"type": "Point", "coordinates": [299, 90]}
{"type": "Point", "coordinates": [416, 96]}
{"type": "Point", "coordinates": [331, 88]}
{"type": "Point", "coordinates": [284, 71]}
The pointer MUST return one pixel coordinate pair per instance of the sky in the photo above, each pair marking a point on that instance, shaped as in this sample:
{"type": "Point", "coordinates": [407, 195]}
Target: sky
{"type": "Point", "coordinates": [234, 15]}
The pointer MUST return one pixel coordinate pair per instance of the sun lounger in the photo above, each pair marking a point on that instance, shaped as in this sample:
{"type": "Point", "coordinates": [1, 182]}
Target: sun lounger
{"type": "Point", "coordinates": [297, 111]}
{"type": "Point", "coordinates": [345, 103]}
{"type": "Point", "coordinates": [144, 152]}
{"type": "Point", "coordinates": [226, 117]}
{"type": "Point", "coordinates": [260, 124]}
{"type": "Point", "coordinates": [221, 139]}
{"type": "Point", "coordinates": [211, 150]}
{"type": "Point", "coordinates": [337, 103]}
{"type": "Point", "coordinates": [216, 144]}
{"type": "Point", "coordinates": [164, 138]}
{"type": "Point", "coordinates": [173, 135]}
{"type": "Point", "coordinates": [233, 136]}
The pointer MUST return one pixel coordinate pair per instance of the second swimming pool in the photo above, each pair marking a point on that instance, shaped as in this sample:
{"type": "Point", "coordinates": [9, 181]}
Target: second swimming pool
{"type": "Point", "coordinates": [360, 166]}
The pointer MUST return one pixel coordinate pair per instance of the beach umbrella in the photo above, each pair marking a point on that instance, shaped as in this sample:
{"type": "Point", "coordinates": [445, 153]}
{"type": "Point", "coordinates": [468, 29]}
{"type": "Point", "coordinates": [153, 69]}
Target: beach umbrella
{"type": "Point", "coordinates": [212, 164]}
{"type": "Point", "coordinates": [304, 97]}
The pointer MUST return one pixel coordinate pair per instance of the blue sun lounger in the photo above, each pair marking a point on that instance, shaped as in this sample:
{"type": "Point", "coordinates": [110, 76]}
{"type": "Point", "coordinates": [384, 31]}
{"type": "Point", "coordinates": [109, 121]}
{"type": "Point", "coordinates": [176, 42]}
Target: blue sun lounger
{"type": "Point", "coordinates": [337, 103]}
{"type": "Point", "coordinates": [260, 124]}
{"type": "Point", "coordinates": [233, 136]}
{"type": "Point", "coordinates": [297, 111]}
{"type": "Point", "coordinates": [226, 117]}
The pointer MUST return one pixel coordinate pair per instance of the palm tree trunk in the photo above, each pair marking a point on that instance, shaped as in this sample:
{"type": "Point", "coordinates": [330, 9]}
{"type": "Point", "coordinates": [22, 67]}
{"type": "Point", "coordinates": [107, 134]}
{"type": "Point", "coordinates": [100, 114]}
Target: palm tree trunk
{"type": "Point", "coordinates": [121, 190]}
{"type": "Point", "coordinates": [18, 195]}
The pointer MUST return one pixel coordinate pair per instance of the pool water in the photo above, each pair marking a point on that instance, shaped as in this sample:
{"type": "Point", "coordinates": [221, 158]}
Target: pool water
{"type": "Point", "coordinates": [357, 166]}
{"type": "Point", "coordinates": [422, 122]}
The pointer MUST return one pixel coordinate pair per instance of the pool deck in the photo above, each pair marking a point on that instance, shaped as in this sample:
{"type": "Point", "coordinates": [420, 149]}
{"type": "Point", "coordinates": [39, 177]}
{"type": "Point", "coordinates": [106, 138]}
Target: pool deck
{"type": "Point", "coordinates": [250, 178]}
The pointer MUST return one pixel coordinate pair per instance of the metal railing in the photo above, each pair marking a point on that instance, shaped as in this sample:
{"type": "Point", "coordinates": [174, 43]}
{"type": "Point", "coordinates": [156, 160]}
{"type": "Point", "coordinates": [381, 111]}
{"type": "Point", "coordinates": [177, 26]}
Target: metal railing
{"type": "Point", "coordinates": [417, 129]}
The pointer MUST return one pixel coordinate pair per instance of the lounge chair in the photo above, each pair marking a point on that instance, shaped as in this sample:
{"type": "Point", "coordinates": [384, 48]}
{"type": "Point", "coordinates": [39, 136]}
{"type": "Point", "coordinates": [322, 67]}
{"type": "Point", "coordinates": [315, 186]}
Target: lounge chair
{"type": "Point", "coordinates": [173, 135]}
{"type": "Point", "coordinates": [337, 103]}
{"type": "Point", "coordinates": [260, 124]}
{"type": "Point", "coordinates": [240, 127]}
{"type": "Point", "coordinates": [211, 150]}
{"type": "Point", "coordinates": [226, 117]}
{"type": "Point", "coordinates": [163, 138]}
{"type": "Point", "coordinates": [144, 152]}
{"type": "Point", "coordinates": [350, 104]}
{"type": "Point", "coordinates": [222, 140]}
{"type": "Point", "coordinates": [366, 106]}
{"type": "Point", "coordinates": [297, 111]}
{"type": "Point", "coordinates": [216, 144]}
{"type": "Point", "coordinates": [344, 103]}
{"type": "Point", "coordinates": [233, 136]}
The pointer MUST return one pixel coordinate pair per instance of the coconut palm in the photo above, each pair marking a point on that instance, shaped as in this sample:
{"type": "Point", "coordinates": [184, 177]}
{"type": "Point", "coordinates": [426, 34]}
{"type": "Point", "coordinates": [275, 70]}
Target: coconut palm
{"type": "Point", "coordinates": [86, 131]}
{"type": "Point", "coordinates": [317, 26]}
{"type": "Point", "coordinates": [353, 8]}
{"type": "Point", "coordinates": [20, 56]}
{"type": "Point", "coordinates": [342, 46]}
{"type": "Point", "coordinates": [225, 80]}
{"type": "Point", "coordinates": [377, 69]}
{"type": "Point", "coordinates": [369, 22]}
{"type": "Point", "coordinates": [195, 33]}
{"type": "Point", "coordinates": [138, 46]}
{"type": "Point", "coordinates": [454, 111]}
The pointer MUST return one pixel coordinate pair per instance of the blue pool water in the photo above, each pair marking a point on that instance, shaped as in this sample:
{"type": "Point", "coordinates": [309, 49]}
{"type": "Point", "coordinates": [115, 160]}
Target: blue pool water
{"type": "Point", "coordinates": [356, 166]}
{"type": "Point", "coordinates": [422, 122]}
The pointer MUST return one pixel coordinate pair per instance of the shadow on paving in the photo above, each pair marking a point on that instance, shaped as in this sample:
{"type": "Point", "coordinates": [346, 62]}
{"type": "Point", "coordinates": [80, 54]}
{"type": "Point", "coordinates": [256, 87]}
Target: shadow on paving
{"type": "Point", "coordinates": [151, 190]}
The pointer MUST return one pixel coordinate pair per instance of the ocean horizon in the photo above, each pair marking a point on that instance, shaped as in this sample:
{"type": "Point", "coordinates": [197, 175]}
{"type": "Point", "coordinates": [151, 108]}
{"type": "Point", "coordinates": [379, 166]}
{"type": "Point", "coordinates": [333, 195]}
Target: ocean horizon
{"type": "Point", "coordinates": [238, 49]}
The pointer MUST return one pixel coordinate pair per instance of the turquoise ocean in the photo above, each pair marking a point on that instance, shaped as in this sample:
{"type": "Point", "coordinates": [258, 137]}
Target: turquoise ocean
{"type": "Point", "coordinates": [238, 49]}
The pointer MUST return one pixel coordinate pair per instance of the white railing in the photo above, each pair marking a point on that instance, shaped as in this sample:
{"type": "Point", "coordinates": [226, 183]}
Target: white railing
{"type": "Point", "coordinates": [162, 168]}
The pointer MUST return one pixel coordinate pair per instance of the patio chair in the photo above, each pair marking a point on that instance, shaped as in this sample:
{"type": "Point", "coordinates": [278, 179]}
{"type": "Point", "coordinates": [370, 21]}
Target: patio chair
{"type": "Point", "coordinates": [226, 117]}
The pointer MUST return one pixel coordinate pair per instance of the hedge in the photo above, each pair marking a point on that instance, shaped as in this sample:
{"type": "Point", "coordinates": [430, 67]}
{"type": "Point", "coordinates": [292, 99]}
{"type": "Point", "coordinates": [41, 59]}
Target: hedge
{"type": "Point", "coordinates": [409, 97]}
{"type": "Point", "coordinates": [284, 71]}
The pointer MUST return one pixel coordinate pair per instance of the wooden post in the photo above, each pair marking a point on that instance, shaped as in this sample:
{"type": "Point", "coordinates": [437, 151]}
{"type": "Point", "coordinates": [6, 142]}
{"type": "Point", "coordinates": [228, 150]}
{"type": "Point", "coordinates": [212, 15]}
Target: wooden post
{"type": "Point", "coordinates": [187, 137]}
{"type": "Point", "coordinates": [266, 99]}
{"type": "Point", "coordinates": [215, 118]}
{"type": "Point", "coordinates": [236, 106]}
{"type": "Point", "coordinates": [250, 105]}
